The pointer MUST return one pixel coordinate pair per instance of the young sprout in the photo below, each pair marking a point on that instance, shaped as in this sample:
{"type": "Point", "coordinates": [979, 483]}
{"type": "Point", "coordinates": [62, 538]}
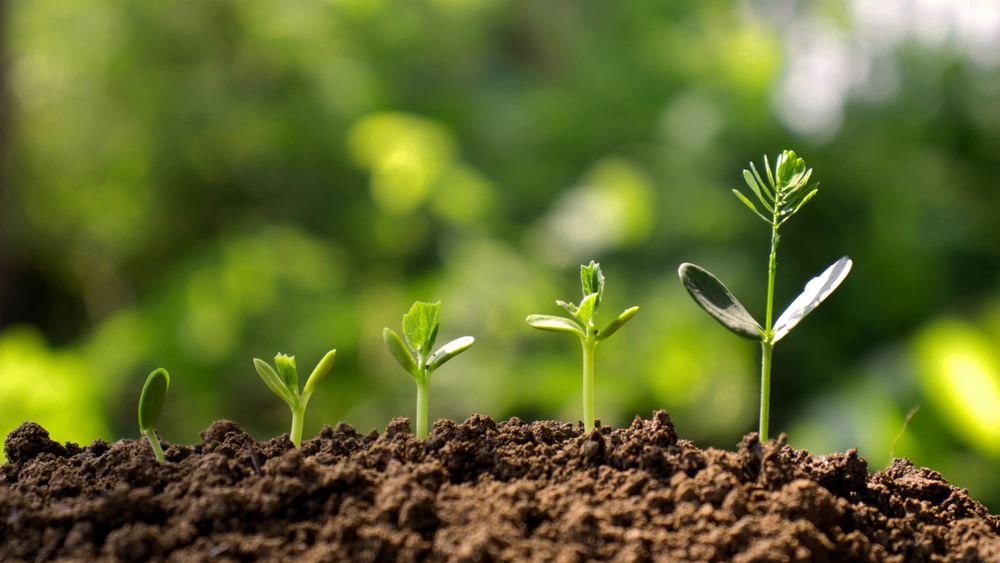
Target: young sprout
{"type": "Point", "coordinates": [286, 386]}
{"type": "Point", "coordinates": [420, 326]}
{"type": "Point", "coordinates": [150, 404]}
{"type": "Point", "coordinates": [784, 194]}
{"type": "Point", "coordinates": [582, 325]}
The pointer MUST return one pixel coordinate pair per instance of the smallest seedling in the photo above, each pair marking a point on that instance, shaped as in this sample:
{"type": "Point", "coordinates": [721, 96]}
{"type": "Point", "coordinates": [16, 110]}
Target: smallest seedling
{"type": "Point", "coordinates": [150, 405]}
{"type": "Point", "coordinates": [286, 386]}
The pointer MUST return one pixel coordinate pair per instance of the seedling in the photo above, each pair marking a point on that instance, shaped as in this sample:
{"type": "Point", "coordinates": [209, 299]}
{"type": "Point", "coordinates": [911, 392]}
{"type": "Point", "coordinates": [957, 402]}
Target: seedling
{"type": "Point", "coordinates": [150, 404]}
{"type": "Point", "coordinates": [420, 326]}
{"type": "Point", "coordinates": [784, 194]}
{"type": "Point", "coordinates": [286, 386]}
{"type": "Point", "coordinates": [582, 325]}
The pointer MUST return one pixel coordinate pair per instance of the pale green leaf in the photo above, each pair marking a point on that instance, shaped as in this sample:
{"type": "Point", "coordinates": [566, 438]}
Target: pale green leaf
{"type": "Point", "coordinates": [750, 205]}
{"type": "Point", "coordinates": [616, 324]}
{"type": "Point", "coordinates": [274, 382]}
{"type": "Point", "coordinates": [398, 350]}
{"type": "Point", "coordinates": [289, 375]}
{"type": "Point", "coordinates": [322, 368]}
{"type": "Point", "coordinates": [449, 351]}
{"type": "Point", "coordinates": [555, 324]}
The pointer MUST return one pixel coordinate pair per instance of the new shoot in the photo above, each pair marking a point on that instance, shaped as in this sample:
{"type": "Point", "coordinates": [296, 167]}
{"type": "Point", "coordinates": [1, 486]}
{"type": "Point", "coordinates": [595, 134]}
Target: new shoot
{"type": "Point", "coordinates": [582, 325]}
{"type": "Point", "coordinates": [286, 386]}
{"type": "Point", "coordinates": [150, 404]}
{"type": "Point", "coordinates": [420, 326]}
{"type": "Point", "coordinates": [785, 192]}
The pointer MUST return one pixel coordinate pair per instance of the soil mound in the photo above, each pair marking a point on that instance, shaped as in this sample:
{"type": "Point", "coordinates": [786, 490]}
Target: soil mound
{"type": "Point", "coordinates": [477, 491]}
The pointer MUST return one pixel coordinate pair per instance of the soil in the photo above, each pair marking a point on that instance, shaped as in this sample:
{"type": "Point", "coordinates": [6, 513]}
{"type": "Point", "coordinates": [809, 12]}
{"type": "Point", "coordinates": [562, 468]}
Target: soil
{"type": "Point", "coordinates": [477, 491]}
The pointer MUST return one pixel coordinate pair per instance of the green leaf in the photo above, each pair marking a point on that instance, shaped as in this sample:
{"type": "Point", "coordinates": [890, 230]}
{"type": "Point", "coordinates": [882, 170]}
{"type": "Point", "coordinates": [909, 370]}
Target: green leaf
{"type": "Point", "coordinates": [818, 289]}
{"type": "Point", "coordinates": [274, 382]}
{"type": "Point", "coordinates": [760, 182]}
{"type": "Point", "coordinates": [775, 187]}
{"type": "Point", "coordinates": [587, 309]}
{"type": "Point", "coordinates": [322, 368]}
{"type": "Point", "coordinates": [555, 324]}
{"type": "Point", "coordinates": [795, 210]}
{"type": "Point", "coordinates": [593, 281]}
{"type": "Point", "coordinates": [756, 190]}
{"type": "Point", "coordinates": [398, 350]}
{"type": "Point", "coordinates": [573, 309]}
{"type": "Point", "coordinates": [750, 205]}
{"type": "Point", "coordinates": [616, 324]}
{"type": "Point", "coordinates": [420, 326]}
{"type": "Point", "coordinates": [718, 302]}
{"type": "Point", "coordinates": [289, 375]}
{"type": "Point", "coordinates": [154, 392]}
{"type": "Point", "coordinates": [449, 351]}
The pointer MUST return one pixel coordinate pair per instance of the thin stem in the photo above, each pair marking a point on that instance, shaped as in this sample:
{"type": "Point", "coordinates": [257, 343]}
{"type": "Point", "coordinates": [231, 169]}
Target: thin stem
{"type": "Point", "coordinates": [771, 270]}
{"type": "Point", "coordinates": [297, 416]}
{"type": "Point", "coordinates": [765, 389]}
{"type": "Point", "coordinates": [155, 442]}
{"type": "Point", "coordinates": [423, 385]}
{"type": "Point", "coordinates": [588, 383]}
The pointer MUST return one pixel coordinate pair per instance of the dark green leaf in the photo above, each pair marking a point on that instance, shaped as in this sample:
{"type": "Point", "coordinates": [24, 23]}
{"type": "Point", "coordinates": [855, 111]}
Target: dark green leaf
{"type": "Point", "coordinates": [593, 281]}
{"type": "Point", "coordinates": [449, 351]}
{"type": "Point", "coordinates": [420, 326]}
{"type": "Point", "coordinates": [616, 324]}
{"type": "Point", "coordinates": [717, 301]}
{"type": "Point", "coordinates": [154, 392]}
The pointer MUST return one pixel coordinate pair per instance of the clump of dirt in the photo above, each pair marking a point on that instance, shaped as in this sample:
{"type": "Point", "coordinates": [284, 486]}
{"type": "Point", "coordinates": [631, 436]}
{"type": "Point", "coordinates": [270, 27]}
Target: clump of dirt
{"type": "Point", "coordinates": [477, 491]}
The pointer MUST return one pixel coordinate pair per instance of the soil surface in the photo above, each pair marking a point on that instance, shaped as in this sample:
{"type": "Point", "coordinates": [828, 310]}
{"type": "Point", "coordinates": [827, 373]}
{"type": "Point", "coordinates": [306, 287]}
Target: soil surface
{"type": "Point", "coordinates": [477, 491]}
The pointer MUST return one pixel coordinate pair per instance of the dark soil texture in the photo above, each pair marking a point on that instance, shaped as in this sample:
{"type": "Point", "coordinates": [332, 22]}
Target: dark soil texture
{"type": "Point", "coordinates": [477, 491]}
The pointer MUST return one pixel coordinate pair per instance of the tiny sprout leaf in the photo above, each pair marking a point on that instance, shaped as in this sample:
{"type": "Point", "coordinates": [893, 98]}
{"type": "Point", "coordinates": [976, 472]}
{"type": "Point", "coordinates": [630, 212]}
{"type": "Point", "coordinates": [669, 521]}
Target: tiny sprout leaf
{"type": "Point", "coordinates": [717, 301]}
{"type": "Point", "coordinates": [289, 375]}
{"type": "Point", "coordinates": [616, 324]}
{"type": "Point", "coordinates": [398, 350]}
{"type": "Point", "coordinates": [818, 289]}
{"type": "Point", "coordinates": [587, 308]}
{"type": "Point", "coordinates": [420, 326]}
{"type": "Point", "coordinates": [322, 368]}
{"type": "Point", "coordinates": [573, 309]}
{"type": "Point", "coordinates": [154, 392]}
{"type": "Point", "coordinates": [593, 281]}
{"type": "Point", "coordinates": [274, 382]}
{"type": "Point", "coordinates": [555, 324]}
{"type": "Point", "coordinates": [449, 351]}
{"type": "Point", "coordinates": [751, 206]}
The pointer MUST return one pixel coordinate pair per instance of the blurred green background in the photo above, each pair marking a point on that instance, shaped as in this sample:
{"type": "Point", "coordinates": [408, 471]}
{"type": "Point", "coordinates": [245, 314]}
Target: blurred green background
{"type": "Point", "coordinates": [195, 184]}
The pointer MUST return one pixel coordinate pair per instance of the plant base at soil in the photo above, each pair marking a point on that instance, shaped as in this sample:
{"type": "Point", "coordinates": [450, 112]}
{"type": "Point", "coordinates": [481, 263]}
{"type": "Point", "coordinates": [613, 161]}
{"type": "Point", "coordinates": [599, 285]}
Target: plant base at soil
{"type": "Point", "coordinates": [477, 491]}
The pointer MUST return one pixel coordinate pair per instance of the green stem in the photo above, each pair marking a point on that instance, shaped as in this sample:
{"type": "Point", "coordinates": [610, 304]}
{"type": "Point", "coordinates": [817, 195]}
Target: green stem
{"type": "Point", "coordinates": [588, 383]}
{"type": "Point", "coordinates": [297, 416]}
{"type": "Point", "coordinates": [771, 270]}
{"type": "Point", "coordinates": [423, 388]}
{"type": "Point", "coordinates": [155, 442]}
{"type": "Point", "coordinates": [765, 389]}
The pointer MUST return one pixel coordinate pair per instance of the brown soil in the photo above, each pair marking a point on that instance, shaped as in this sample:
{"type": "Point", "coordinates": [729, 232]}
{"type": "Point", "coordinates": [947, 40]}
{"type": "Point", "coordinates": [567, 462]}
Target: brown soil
{"type": "Point", "coordinates": [479, 491]}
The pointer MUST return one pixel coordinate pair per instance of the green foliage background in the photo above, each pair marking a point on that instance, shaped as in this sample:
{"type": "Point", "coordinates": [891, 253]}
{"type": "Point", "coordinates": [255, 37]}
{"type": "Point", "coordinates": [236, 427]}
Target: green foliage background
{"type": "Point", "coordinates": [193, 184]}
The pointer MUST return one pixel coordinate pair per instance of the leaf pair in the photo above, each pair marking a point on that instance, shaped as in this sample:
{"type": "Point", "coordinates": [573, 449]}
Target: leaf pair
{"type": "Point", "coordinates": [784, 197]}
{"type": "Point", "coordinates": [420, 326]}
{"type": "Point", "coordinates": [286, 385]}
{"type": "Point", "coordinates": [592, 280]}
{"type": "Point", "coordinates": [720, 303]}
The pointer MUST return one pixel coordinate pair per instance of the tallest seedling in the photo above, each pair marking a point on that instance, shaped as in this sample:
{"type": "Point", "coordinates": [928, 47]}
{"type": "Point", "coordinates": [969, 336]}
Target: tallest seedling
{"type": "Point", "coordinates": [786, 191]}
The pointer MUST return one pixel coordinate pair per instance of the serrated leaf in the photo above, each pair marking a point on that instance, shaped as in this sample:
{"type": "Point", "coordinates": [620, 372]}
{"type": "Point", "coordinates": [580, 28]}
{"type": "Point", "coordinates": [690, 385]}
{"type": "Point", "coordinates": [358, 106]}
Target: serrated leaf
{"type": "Point", "coordinates": [322, 368]}
{"type": "Point", "coordinates": [718, 302]}
{"type": "Point", "coordinates": [593, 281]}
{"type": "Point", "coordinates": [274, 382]}
{"type": "Point", "coordinates": [568, 306]}
{"type": "Point", "coordinates": [398, 350]}
{"type": "Point", "coordinates": [154, 393]}
{"type": "Point", "coordinates": [555, 324]}
{"type": "Point", "coordinates": [289, 375]}
{"type": "Point", "coordinates": [587, 309]}
{"type": "Point", "coordinates": [420, 326]}
{"type": "Point", "coordinates": [449, 351]}
{"type": "Point", "coordinates": [750, 205]}
{"type": "Point", "coordinates": [616, 324]}
{"type": "Point", "coordinates": [818, 289]}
